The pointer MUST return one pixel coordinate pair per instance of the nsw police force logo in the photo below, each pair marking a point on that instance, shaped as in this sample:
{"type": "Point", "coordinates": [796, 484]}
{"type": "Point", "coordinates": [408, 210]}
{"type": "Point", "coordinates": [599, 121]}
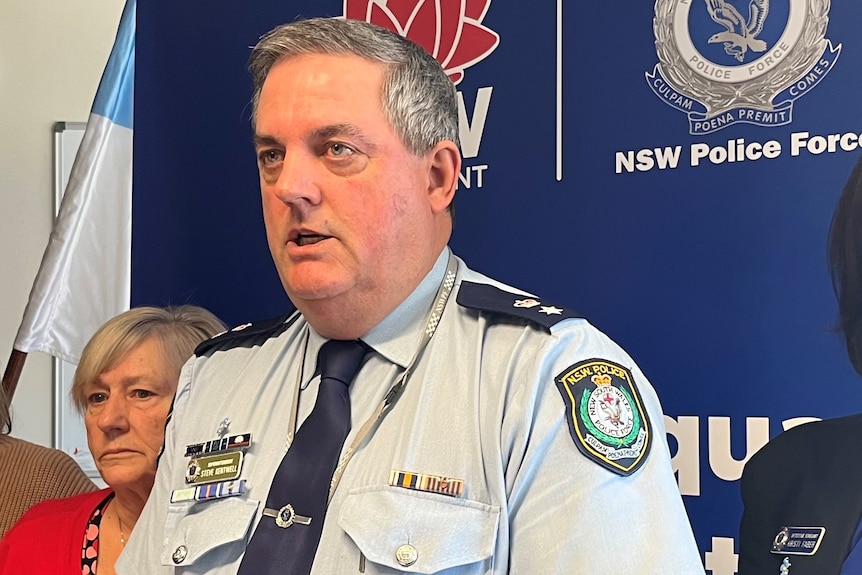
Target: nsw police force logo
{"type": "Point", "coordinates": [724, 62]}
{"type": "Point", "coordinates": [606, 418]}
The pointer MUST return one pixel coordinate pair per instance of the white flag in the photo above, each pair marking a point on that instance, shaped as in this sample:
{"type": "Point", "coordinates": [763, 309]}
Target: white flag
{"type": "Point", "coordinates": [85, 275]}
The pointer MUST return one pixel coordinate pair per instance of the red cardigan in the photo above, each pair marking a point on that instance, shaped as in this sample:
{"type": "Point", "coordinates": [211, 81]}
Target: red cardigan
{"type": "Point", "coordinates": [48, 539]}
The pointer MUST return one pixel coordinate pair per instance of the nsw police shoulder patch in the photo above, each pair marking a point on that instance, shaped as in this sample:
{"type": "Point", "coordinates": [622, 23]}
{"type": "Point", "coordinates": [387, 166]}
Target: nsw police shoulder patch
{"type": "Point", "coordinates": [606, 417]}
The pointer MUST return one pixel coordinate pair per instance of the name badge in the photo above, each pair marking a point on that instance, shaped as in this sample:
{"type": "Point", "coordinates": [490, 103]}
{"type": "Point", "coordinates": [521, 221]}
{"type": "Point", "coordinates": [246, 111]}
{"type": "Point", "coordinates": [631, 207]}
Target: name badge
{"type": "Point", "coordinates": [798, 540]}
{"type": "Point", "coordinates": [222, 467]}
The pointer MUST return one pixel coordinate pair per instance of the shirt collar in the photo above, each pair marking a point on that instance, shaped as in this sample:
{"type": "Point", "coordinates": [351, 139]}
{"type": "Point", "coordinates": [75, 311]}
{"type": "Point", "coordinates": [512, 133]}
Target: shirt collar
{"type": "Point", "coordinates": [397, 336]}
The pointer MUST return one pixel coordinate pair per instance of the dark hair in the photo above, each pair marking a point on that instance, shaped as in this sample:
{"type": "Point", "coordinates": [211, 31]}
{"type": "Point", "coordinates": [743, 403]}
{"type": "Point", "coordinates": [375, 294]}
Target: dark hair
{"type": "Point", "coordinates": [845, 263]}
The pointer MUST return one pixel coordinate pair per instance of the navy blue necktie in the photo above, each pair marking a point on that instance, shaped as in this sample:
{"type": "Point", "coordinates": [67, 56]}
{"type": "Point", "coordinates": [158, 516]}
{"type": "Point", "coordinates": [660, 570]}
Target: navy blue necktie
{"type": "Point", "coordinates": [287, 536]}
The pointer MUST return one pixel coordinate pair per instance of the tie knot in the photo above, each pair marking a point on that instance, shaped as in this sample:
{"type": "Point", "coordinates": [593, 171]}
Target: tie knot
{"type": "Point", "coordinates": [339, 359]}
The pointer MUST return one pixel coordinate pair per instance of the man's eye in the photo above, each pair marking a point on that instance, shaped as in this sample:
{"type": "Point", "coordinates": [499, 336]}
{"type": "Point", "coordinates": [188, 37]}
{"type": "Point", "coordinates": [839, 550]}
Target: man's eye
{"type": "Point", "coordinates": [270, 157]}
{"type": "Point", "coordinates": [143, 393]}
{"type": "Point", "coordinates": [339, 150]}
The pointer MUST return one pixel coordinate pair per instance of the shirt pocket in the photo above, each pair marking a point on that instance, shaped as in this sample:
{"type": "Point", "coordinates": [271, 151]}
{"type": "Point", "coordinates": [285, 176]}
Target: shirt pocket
{"type": "Point", "coordinates": [392, 526]}
{"type": "Point", "coordinates": [216, 527]}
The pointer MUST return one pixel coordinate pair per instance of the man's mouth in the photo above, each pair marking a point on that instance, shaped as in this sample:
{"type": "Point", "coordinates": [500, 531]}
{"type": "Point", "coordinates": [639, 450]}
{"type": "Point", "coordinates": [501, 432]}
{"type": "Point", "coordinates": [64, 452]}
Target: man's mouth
{"type": "Point", "coordinates": [308, 239]}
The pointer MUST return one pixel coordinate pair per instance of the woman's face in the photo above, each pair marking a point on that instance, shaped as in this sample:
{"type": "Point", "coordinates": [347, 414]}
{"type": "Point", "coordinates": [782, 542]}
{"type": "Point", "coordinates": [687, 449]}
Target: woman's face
{"type": "Point", "coordinates": [127, 407]}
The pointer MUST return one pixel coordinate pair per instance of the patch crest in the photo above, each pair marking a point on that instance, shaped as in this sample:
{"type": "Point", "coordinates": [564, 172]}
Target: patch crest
{"type": "Point", "coordinates": [723, 64]}
{"type": "Point", "coordinates": [606, 417]}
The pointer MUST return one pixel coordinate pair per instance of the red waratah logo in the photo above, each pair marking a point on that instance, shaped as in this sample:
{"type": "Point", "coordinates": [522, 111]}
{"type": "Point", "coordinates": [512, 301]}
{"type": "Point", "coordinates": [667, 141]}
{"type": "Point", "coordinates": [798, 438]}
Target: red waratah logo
{"type": "Point", "coordinates": [451, 30]}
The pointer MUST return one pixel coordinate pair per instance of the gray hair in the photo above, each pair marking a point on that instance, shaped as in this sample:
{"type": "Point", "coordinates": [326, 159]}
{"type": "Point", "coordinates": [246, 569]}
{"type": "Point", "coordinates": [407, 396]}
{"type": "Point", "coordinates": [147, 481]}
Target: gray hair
{"type": "Point", "coordinates": [418, 99]}
{"type": "Point", "coordinates": [178, 330]}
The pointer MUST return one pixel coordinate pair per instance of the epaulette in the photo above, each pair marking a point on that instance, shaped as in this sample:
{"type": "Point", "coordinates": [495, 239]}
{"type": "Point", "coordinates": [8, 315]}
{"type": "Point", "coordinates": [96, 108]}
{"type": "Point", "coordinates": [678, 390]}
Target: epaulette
{"type": "Point", "coordinates": [485, 297]}
{"type": "Point", "coordinates": [247, 334]}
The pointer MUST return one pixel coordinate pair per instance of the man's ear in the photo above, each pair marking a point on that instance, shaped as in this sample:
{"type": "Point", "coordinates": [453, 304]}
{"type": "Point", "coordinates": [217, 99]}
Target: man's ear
{"type": "Point", "coordinates": [444, 167]}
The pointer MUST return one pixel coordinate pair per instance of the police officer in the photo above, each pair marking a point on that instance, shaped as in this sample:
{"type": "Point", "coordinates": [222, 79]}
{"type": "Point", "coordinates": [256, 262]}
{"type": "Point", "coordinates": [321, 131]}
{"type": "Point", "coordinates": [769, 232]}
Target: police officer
{"type": "Point", "coordinates": [801, 492]}
{"type": "Point", "coordinates": [488, 430]}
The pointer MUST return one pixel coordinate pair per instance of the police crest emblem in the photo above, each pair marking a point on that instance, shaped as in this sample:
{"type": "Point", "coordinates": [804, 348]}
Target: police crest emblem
{"type": "Point", "coordinates": [724, 62]}
{"type": "Point", "coordinates": [605, 414]}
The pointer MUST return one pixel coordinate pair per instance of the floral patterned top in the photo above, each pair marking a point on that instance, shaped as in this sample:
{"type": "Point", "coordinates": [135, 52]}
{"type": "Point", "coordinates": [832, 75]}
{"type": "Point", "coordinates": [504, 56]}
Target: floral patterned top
{"type": "Point", "coordinates": [90, 549]}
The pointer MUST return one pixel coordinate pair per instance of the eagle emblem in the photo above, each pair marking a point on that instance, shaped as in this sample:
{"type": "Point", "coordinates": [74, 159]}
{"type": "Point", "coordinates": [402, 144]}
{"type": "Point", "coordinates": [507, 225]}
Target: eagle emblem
{"type": "Point", "coordinates": [724, 62]}
{"type": "Point", "coordinates": [740, 34]}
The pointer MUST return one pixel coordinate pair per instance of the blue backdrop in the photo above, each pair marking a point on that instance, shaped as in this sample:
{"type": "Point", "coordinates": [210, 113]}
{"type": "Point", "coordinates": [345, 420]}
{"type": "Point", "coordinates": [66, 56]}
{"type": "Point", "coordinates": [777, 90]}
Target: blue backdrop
{"type": "Point", "coordinates": [669, 176]}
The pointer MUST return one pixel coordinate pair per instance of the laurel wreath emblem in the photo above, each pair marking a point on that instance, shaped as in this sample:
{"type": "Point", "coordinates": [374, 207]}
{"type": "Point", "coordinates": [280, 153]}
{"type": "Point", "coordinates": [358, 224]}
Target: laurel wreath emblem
{"type": "Point", "coordinates": [604, 437]}
{"type": "Point", "coordinates": [719, 97]}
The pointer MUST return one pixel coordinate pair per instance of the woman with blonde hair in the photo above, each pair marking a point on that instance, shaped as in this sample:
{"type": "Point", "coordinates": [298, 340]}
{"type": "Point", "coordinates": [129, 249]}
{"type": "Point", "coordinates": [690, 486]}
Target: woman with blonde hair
{"type": "Point", "coordinates": [124, 387]}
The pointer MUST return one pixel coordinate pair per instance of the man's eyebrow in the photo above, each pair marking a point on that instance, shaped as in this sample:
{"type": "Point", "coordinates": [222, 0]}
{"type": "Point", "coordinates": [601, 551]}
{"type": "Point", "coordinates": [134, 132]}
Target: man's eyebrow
{"type": "Point", "coordinates": [322, 133]}
{"type": "Point", "coordinates": [345, 129]}
{"type": "Point", "coordinates": [264, 141]}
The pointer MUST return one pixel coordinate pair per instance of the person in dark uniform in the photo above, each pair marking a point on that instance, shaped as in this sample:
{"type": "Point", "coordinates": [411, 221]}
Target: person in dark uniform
{"type": "Point", "coordinates": [802, 498]}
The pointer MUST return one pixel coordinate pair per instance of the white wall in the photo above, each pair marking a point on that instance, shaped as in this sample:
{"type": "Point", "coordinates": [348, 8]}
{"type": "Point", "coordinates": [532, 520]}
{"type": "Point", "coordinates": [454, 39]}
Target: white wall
{"type": "Point", "coordinates": [51, 59]}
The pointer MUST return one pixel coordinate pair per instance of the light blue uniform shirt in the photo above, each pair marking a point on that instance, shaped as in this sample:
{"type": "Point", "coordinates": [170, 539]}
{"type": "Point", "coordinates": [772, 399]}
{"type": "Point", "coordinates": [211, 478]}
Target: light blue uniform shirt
{"type": "Point", "coordinates": [481, 407]}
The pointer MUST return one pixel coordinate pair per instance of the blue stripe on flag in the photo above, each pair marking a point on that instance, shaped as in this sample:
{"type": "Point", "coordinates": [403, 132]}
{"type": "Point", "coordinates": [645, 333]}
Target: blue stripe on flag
{"type": "Point", "coordinates": [84, 277]}
{"type": "Point", "coordinates": [115, 97]}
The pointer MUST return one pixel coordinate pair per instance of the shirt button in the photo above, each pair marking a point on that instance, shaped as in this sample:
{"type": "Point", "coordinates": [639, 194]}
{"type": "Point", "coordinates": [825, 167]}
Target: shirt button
{"type": "Point", "coordinates": [406, 555]}
{"type": "Point", "coordinates": [180, 554]}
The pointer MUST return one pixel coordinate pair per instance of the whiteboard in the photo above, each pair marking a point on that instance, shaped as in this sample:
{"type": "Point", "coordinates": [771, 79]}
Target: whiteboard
{"type": "Point", "coordinates": [70, 435]}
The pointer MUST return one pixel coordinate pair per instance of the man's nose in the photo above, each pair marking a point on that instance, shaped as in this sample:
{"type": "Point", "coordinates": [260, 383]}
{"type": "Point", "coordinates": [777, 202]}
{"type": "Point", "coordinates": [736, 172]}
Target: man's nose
{"type": "Point", "coordinates": [297, 183]}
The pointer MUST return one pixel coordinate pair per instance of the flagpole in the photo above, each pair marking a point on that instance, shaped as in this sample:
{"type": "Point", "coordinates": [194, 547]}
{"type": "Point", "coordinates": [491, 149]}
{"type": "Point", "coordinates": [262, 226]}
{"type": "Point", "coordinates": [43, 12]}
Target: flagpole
{"type": "Point", "coordinates": [13, 372]}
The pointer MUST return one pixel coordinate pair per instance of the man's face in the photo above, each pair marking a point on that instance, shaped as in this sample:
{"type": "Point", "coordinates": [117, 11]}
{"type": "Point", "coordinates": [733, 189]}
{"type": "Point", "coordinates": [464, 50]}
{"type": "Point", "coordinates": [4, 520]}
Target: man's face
{"type": "Point", "coordinates": [346, 205]}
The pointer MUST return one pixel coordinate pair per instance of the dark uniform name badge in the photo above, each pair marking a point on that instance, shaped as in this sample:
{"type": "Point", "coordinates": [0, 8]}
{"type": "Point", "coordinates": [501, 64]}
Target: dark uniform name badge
{"type": "Point", "coordinates": [606, 417]}
{"type": "Point", "coordinates": [798, 540]}
{"type": "Point", "coordinates": [221, 467]}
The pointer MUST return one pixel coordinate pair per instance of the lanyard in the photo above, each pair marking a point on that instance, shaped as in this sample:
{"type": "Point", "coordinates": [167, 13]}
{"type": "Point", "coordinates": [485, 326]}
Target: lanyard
{"type": "Point", "coordinates": [440, 301]}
